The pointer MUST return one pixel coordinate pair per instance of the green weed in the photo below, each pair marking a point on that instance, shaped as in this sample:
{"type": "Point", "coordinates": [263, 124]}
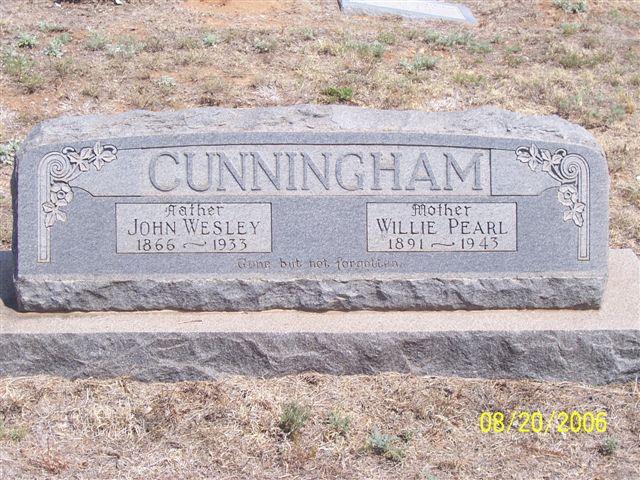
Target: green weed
{"type": "Point", "coordinates": [340, 423]}
{"type": "Point", "coordinates": [572, 6]}
{"type": "Point", "coordinates": [569, 28]}
{"type": "Point", "coordinates": [608, 447]}
{"type": "Point", "coordinates": [26, 40]}
{"type": "Point", "coordinates": [96, 41]}
{"type": "Point", "coordinates": [21, 69]}
{"type": "Point", "coordinates": [419, 63]}
{"type": "Point", "coordinates": [385, 445]}
{"type": "Point", "coordinates": [338, 94]}
{"type": "Point", "coordinates": [210, 40]}
{"type": "Point", "coordinates": [293, 417]}
{"type": "Point", "coordinates": [8, 152]}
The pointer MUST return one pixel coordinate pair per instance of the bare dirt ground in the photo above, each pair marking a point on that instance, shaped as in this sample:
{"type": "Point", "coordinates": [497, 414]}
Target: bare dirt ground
{"type": "Point", "coordinates": [528, 55]}
{"type": "Point", "coordinates": [234, 429]}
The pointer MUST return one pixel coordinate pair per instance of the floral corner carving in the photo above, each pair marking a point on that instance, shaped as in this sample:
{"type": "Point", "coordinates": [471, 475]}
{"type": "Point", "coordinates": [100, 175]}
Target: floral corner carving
{"type": "Point", "coordinates": [56, 171]}
{"type": "Point", "coordinates": [64, 168]}
{"type": "Point", "coordinates": [572, 171]}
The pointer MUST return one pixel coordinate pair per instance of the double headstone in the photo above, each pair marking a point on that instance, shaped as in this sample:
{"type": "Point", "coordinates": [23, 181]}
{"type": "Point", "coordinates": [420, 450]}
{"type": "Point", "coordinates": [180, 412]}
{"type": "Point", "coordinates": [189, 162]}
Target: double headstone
{"type": "Point", "coordinates": [312, 208]}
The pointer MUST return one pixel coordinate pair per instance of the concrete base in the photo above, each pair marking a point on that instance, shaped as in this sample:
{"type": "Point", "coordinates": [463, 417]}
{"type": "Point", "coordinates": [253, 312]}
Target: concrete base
{"type": "Point", "coordinates": [593, 346]}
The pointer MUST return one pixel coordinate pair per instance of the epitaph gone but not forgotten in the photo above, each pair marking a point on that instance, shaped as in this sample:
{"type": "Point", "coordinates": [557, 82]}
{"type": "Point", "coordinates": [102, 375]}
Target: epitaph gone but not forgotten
{"type": "Point", "coordinates": [310, 207]}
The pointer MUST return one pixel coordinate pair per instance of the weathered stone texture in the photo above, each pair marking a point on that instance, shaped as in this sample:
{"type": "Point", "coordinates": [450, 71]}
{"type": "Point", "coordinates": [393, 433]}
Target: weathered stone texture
{"type": "Point", "coordinates": [521, 202]}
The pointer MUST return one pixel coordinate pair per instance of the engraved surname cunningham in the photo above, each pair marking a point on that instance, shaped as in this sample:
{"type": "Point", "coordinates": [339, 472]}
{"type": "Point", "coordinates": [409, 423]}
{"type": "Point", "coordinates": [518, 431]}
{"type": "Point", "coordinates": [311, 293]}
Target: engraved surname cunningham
{"type": "Point", "coordinates": [216, 171]}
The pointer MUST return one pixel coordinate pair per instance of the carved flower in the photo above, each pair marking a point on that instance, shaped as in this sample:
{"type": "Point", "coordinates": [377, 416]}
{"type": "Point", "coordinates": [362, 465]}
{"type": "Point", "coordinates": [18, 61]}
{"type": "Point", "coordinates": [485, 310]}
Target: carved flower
{"type": "Point", "coordinates": [53, 213]}
{"type": "Point", "coordinates": [529, 156]}
{"type": "Point", "coordinates": [102, 155]}
{"type": "Point", "coordinates": [549, 161]}
{"type": "Point", "coordinates": [81, 159]}
{"type": "Point", "coordinates": [567, 195]}
{"type": "Point", "coordinates": [61, 194]}
{"type": "Point", "coordinates": [575, 213]}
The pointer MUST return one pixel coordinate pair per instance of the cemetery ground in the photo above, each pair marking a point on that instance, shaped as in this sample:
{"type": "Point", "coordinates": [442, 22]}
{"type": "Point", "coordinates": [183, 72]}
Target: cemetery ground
{"type": "Point", "coordinates": [577, 59]}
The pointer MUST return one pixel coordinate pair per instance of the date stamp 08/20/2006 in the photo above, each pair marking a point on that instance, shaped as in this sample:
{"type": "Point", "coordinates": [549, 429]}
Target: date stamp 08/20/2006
{"type": "Point", "coordinates": [560, 421]}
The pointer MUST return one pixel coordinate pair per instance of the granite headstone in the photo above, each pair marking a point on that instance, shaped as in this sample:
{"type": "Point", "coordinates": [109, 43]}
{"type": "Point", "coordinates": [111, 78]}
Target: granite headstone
{"type": "Point", "coordinates": [310, 207]}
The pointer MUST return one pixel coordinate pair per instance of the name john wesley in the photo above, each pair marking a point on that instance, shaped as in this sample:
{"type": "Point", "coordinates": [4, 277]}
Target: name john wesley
{"type": "Point", "coordinates": [415, 169]}
{"type": "Point", "coordinates": [194, 219]}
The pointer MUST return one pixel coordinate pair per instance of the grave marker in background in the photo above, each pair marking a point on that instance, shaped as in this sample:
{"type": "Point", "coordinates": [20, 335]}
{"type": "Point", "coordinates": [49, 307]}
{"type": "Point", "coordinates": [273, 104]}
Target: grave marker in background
{"type": "Point", "coordinates": [415, 9]}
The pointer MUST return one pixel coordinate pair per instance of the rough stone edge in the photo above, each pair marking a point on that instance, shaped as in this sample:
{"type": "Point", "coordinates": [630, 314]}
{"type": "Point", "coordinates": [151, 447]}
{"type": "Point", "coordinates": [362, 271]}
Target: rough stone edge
{"type": "Point", "coordinates": [348, 6]}
{"type": "Point", "coordinates": [595, 357]}
{"type": "Point", "coordinates": [42, 293]}
{"type": "Point", "coordinates": [481, 122]}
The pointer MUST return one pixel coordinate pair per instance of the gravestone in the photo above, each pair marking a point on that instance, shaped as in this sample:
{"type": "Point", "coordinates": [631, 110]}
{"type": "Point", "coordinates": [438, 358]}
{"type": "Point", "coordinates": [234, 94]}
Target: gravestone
{"type": "Point", "coordinates": [312, 208]}
{"type": "Point", "coordinates": [415, 9]}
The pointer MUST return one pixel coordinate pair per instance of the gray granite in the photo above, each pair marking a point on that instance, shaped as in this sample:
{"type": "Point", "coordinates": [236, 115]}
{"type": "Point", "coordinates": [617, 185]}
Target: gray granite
{"type": "Point", "coordinates": [591, 346]}
{"type": "Point", "coordinates": [414, 9]}
{"type": "Point", "coordinates": [312, 208]}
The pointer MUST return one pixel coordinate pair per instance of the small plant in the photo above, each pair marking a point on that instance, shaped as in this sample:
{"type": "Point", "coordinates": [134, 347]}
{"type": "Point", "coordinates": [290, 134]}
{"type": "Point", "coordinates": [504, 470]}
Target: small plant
{"type": "Point", "coordinates": [377, 49]}
{"type": "Point", "coordinates": [47, 27]}
{"type": "Point", "coordinates": [608, 447]}
{"type": "Point", "coordinates": [63, 67]}
{"type": "Point", "coordinates": [152, 45]}
{"type": "Point", "coordinates": [572, 6]}
{"type": "Point", "coordinates": [15, 64]}
{"type": "Point", "coordinates": [91, 91]}
{"type": "Point", "coordinates": [97, 42]}
{"type": "Point", "coordinates": [480, 47]}
{"type": "Point", "coordinates": [450, 40]}
{"type": "Point", "coordinates": [339, 94]}
{"type": "Point", "coordinates": [406, 436]}
{"type": "Point", "coordinates": [569, 28]}
{"type": "Point", "coordinates": [468, 78]}
{"type": "Point", "coordinates": [385, 445]}
{"type": "Point", "coordinates": [128, 47]}
{"type": "Point", "coordinates": [308, 34]}
{"type": "Point", "coordinates": [26, 40]}
{"type": "Point", "coordinates": [420, 63]}
{"type": "Point", "coordinates": [8, 152]}
{"type": "Point", "coordinates": [374, 49]}
{"type": "Point", "coordinates": [294, 416]}
{"type": "Point", "coordinates": [188, 43]}
{"type": "Point", "coordinates": [411, 34]}
{"type": "Point", "coordinates": [341, 424]}
{"type": "Point", "coordinates": [514, 48]}
{"type": "Point", "coordinates": [264, 45]}
{"type": "Point", "coordinates": [54, 49]}
{"type": "Point", "coordinates": [388, 38]}
{"type": "Point", "coordinates": [21, 69]}
{"type": "Point", "coordinates": [572, 60]}
{"type": "Point", "coordinates": [210, 40]}
{"type": "Point", "coordinates": [15, 434]}
{"type": "Point", "coordinates": [166, 83]}
{"type": "Point", "coordinates": [215, 92]}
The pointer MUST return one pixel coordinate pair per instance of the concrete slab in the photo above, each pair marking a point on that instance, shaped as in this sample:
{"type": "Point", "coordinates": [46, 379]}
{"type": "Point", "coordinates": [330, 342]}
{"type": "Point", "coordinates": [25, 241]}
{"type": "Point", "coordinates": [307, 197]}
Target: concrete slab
{"type": "Point", "coordinates": [415, 9]}
{"type": "Point", "coordinates": [593, 346]}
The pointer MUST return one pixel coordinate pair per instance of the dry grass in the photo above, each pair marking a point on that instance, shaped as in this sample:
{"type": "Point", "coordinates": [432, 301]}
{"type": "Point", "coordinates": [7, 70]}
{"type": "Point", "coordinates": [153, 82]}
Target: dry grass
{"type": "Point", "coordinates": [98, 429]}
{"type": "Point", "coordinates": [158, 54]}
